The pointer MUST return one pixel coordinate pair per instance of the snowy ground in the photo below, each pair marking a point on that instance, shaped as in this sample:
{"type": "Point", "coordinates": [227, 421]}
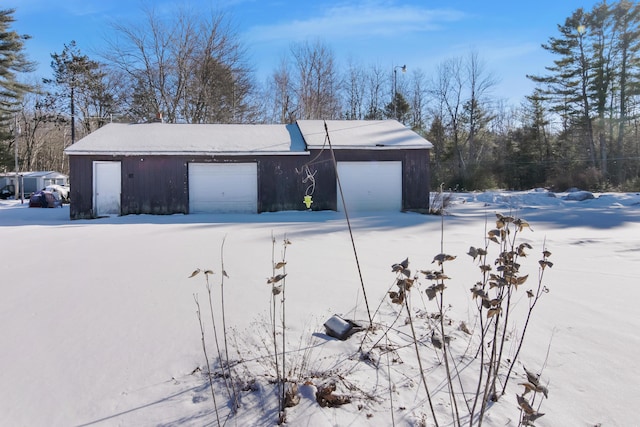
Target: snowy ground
{"type": "Point", "coordinates": [99, 327]}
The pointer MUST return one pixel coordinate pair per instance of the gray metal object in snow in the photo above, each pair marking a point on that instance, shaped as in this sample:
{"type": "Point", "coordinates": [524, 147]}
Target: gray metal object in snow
{"type": "Point", "coordinates": [340, 328]}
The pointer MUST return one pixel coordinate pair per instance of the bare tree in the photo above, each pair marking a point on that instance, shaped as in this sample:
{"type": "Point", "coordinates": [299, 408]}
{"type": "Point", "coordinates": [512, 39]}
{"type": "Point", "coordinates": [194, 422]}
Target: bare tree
{"type": "Point", "coordinates": [480, 83]}
{"type": "Point", "coordinates": [375, 81]}
{"type": "Point", "coordinates": [447, 89]}
{"type": "Point", "coordinates": [418, 94]}
{"type": "Point", "coordinates": [317, 82]}
{"type": "Point", "coordinates": [281, 95]}
{"type": "Point", "coordinates": [44, 134]}
{"type": "Point", "coordinates": [189, 67]}
{"type": "Point", "coordinates": [354, 89]}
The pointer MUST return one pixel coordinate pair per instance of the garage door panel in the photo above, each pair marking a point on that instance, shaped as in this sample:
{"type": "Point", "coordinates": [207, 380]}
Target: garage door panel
{"type": "Point", "coordinates": [223, 187]}
{"type": "Point", "coordinates": [371, 186]}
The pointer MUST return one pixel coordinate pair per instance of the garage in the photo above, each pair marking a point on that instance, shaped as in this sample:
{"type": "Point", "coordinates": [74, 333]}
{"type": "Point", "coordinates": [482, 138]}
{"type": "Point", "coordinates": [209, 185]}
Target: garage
{"type": "Point", "coordinates": [223, 187]}
{"type": "Point", "coordinates": [175, 168]}
{"type": "Point", "coordinates": [371, 186]}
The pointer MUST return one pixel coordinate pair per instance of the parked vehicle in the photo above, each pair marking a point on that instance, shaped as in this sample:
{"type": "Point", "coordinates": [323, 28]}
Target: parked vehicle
{"type": "Point", "coordinates": [45, 199]}
{"type": "Point", "coordinates": [7, 191]}
{"type": "Point", "coordinates": [62, 190]}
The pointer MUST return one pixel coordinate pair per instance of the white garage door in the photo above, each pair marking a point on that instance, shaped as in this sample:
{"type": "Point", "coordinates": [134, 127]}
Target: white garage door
{"type": "Point", "coordinates": [223, 187]}
{"type": "Point", "coordinates": [370, 186]}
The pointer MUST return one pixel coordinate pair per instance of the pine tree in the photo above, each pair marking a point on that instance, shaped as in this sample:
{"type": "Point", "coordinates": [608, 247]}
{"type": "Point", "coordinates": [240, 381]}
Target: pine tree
{"type": "Point", "coordinates": [398, 109]}
{"type": "Point", "coordinates": [80, 81]}
{"type": "Point", "coordinates": [13, 61]}
{"type": "Point", "coordinates": [570, 81]}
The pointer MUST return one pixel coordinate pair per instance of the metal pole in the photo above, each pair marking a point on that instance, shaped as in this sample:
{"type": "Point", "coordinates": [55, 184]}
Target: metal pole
{"type": "Point", "coordinates": [395, 88]}
{"type": "Point", "coordinates": [395, 91]}
{"type": "Point", "coordinates": [15, 144]}
{"type": "Point", "coordinates": [73, 114]}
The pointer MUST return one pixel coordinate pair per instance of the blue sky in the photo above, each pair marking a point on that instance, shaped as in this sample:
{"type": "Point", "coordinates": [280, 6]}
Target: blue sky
{"type": "Point", "coordinates": [419, 33]}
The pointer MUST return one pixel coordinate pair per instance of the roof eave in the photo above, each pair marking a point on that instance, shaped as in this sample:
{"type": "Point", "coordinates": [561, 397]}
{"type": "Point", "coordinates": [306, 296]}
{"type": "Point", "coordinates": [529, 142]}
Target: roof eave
{"type": "Point", "coordinates": [183, 153]}
{"type": "Point", "coordinates": [373, 147]}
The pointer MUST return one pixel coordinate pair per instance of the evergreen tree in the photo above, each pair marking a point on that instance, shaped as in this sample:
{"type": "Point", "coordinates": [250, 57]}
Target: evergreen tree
{"type": "Point", "coordinates": [594, 82]}
{"type": "Point", "coordinates": [13, 61]}
{"type": "Point", "coordinates": [80, 81]}
{"type": "Point", "coordinates": [398, 109]}
{"type": "Point", "coordinates": [569, 83]}
{"type": "Point", "coordinates": [627, 22]}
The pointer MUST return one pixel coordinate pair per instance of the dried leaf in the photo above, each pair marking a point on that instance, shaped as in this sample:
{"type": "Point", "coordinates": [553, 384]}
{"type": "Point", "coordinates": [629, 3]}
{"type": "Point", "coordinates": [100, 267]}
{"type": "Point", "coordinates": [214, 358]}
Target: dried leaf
{"type": "Point", "coordinates": [485, 268]}
{"type": "Point", "coordinates": [224, 273]}
{"type": "Point", "coordinates": [521, 224]}
{"type": "Point", "coordinates": [404, 284]}
{"type": "Point", "coordinates": [400, 267]}
{"type": "Point", "coordinates": [546, 254]}
{"type": "Point", "coordinates": [508, 219]}
{"type": "Point", "coordinates": [441, 258]}
{"type": "Point", "coordinates": [492, 312]}
{"type": "Point", "coordinates": [276, 279]}
{"type": "Point", "coordinates": [542, 389]}
{"type": "Point", "coordinates": [208, 272]}
{"type": "Point", "coordinates": [275, 290]}
{"type": "Point", "coordinates": [495, 233]}
{"type": "Point", "coordinates": [464, 328]}
{"type": "Point", "coordinates": [544, 264]}
{"type": "Point", "coordinates": [279, 265]}
{"type": "Point", "coordinates": [405, 263]}
{"type": "Point", "coordinates": [396, 297]}
{"type": "Point", "coordinates": [478, 292]}
{"type": "Point", "coordinates": [531, 377]}
{"type": "Point", "coordinates": [527, 387]}
{"type": "Point", "coordinates": [528, 419]}
{"type": "Point", "coordinates": [473, 253]}
{"type": "Point", "coordinates": [524, 404]}
{"type": "Point", "coordinates": [195, 273]}
{"type": "Point", "coordinates": [530, 293]}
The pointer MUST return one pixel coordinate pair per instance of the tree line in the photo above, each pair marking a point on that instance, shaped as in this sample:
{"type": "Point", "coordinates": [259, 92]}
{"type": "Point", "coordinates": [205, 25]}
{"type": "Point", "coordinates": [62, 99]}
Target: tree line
{"type": "Point", "coordinates": [580, 126]}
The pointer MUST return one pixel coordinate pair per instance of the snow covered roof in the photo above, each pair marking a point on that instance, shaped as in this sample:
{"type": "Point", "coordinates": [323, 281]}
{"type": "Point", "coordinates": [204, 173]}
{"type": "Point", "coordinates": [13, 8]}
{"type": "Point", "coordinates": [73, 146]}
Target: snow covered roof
{"type": "Point", "coordinates": [361, 134]}
{"type": "Point", "coordinates": [195, 139]}
{"type": "Point", "coordinates": [243, 139]}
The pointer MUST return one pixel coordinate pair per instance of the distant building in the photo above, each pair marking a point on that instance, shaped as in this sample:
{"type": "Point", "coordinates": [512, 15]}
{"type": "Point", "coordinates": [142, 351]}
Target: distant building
{"type": "Point", "coordinates": [31, 182]}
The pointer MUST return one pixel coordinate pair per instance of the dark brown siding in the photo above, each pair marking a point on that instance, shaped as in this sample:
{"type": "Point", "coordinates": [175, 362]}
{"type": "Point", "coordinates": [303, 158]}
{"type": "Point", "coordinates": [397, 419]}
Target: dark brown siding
{"type": "Point", "coordinates": [154, 185]}
{"type": "Point", "coordinates": [280, 183]}
{"type": "Point", "coordinates": [416, 181]}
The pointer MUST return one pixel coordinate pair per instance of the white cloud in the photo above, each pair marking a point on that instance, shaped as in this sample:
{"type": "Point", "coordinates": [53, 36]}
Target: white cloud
{"type": "Point", "coordinates": [358, 20]}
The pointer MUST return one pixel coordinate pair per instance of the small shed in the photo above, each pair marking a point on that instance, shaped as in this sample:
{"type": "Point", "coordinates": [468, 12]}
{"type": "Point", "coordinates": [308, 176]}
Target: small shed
{"type": "Point", "coordinates": [160, 168]}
